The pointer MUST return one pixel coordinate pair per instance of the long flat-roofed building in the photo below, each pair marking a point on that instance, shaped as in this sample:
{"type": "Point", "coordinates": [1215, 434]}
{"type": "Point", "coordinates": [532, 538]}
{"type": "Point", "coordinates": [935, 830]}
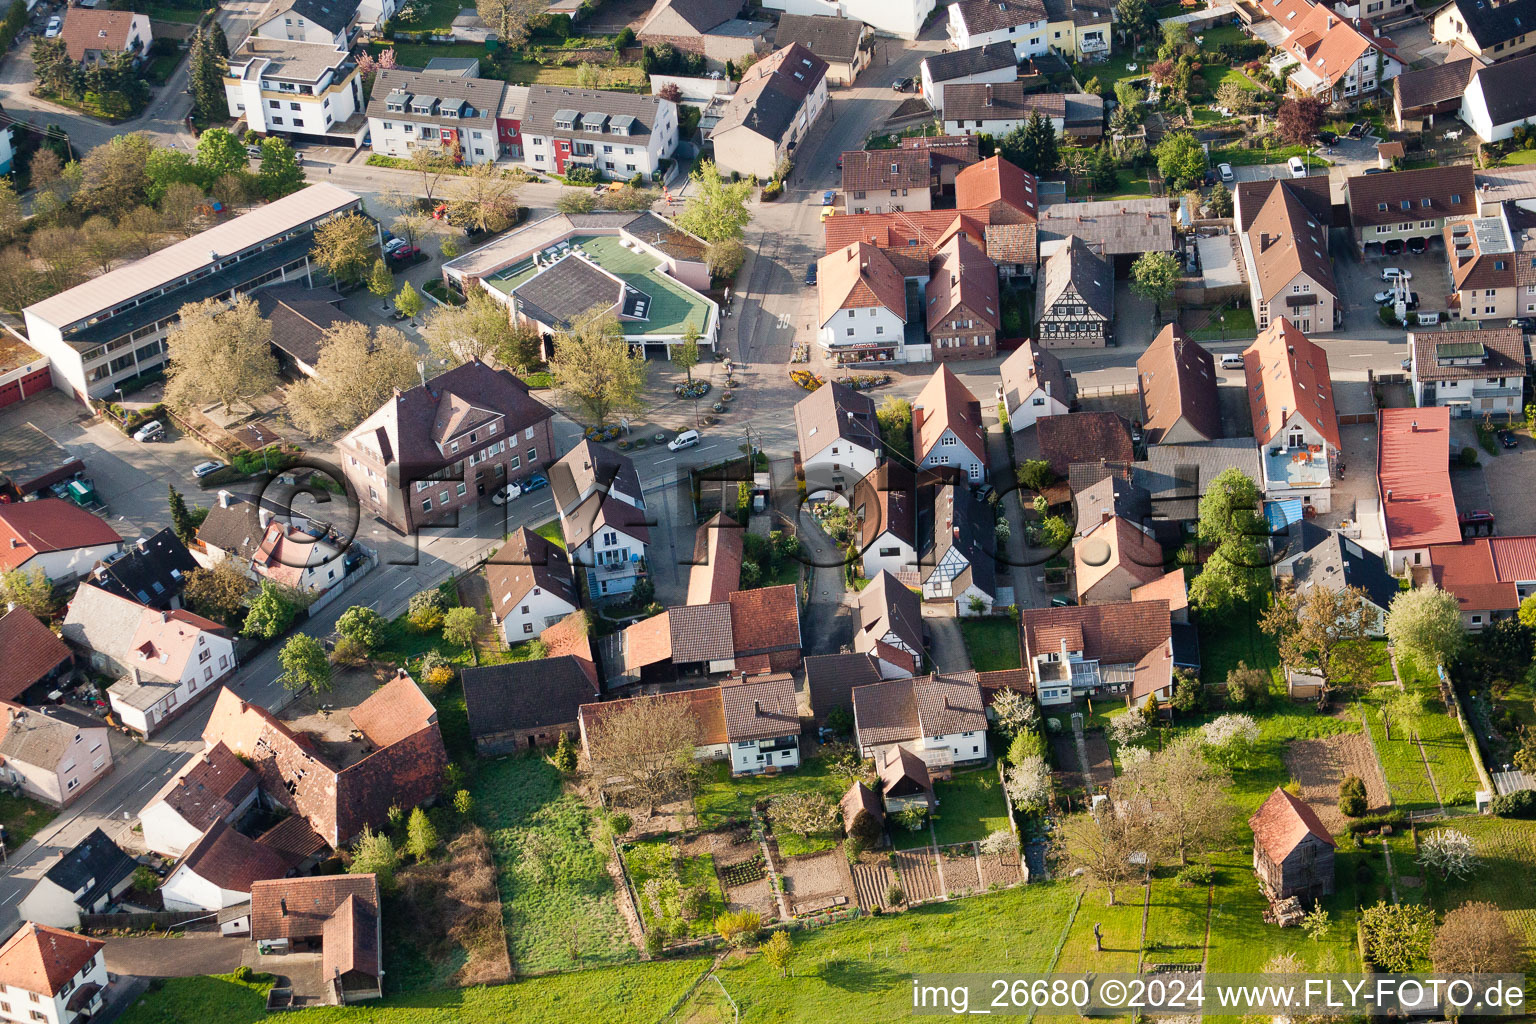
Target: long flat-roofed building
{"type": "Point", "coordinates": [112, 328]}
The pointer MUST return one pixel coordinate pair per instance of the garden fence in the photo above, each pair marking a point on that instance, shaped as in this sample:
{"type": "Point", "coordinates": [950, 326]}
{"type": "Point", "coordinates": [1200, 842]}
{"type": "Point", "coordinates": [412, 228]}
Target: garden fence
{"type": "Point", "coordinates": [145, 921]}
{"type": "Point", "coordinates": [629, 885]}
{"type": "Point", "coordinates": [1466, 731]}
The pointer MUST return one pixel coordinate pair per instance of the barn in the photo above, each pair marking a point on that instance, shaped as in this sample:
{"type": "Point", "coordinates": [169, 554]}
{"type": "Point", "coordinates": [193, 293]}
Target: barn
{"type": "Point", "coordinates": [1292, 850]}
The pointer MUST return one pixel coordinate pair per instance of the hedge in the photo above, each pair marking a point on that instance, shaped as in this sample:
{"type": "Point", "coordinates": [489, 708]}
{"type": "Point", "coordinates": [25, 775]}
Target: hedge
{"type": "Point", "coordinates": [1375, 822]}
{"type": "Point", "coordinates": [1520, 804]}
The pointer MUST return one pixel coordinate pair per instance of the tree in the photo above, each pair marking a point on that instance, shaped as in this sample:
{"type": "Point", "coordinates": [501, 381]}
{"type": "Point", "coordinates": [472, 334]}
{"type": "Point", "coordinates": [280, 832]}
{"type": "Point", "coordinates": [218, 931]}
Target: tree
{"type": "Point", "coordinates": [375, 854]}
{"type": "Point", "coordinates": [271, 612]}
{"type": "Point", "coordinates": [1299, 118]}
{"type": "Point", "coordinates": [1475, 939]}
{"type": "Point", "coordinates": [113, 175]}
{"type": "Point", "coordinates": [805, 814]}
{"type": "Point", "coordinates": [510, 18]}
{"type": "Point", "coordinates": [20, 283]}
{"type": "Point", "coordinates": [431, 163]}
{"type": "Point", "coordinates": [717, 209]}
{"type": "Point", "coordinates": [31, 590]}
{"type": "Point", "coordinates": [595, 368]}
{"type": "Point", "coordinates": [1234, 97]}
{"type": "Point", "coordinates": [461, 625]}
{"type": "Point", "coordinates": [1187, 795]}
{"type": "Point", "coordinates": [1329, 629]}
{"type": "Point", "coordinates": [408, 302]}
{"type": "Point", "coordinates": [1129, 727]}
{"type": "Point", "coordinates": [345, 245]}
{"type": "Point", "coordinates": [411, 225]}
{"type": "Point", "coordinates": [1425, 624]}
{"type": "Point", "coordinates": [63, 254]}
{"type": "Point", "coordinates": [564, 756]}
{"type": "Point", "coordinates": [1153, 276]}
{"type": "Point", "coordinates": [181, 207]}
{"type": "Point", "coordinates": [380, 281]}
{"type": "Point", "coordinates": [1526, 613]}
{"type": "Point", "coordinates": [219, 152]}
{"type": "Point", "coordinates": [685, 355]}
{"type": "Point", "coordinates": [779, 951]}
{"type": "Point", "coordinates": [1039, 153]}
{"type": "Point", "coordinates": [487, 200]}
{"type": "Point", "coordinates": [589, 75]}
{"type": "Point", "coordinates": [740, 927]}
{"type": "Point", "coordinates": [479, 329]}
{"type": "Point", "coordinates": [356, 374]}
{"type": "Point", "coordinates": [11, 215]}
{"type": "Point", "coordinates": [52, 68]}
{"type": "Point", "coordinates": [1180, 160]}
{"type": "Point", "coordinates": [181, 517]}
{"type": "Point", "coordinates": [1449, 852]}
{"type": "Point", "coordinates": [724, 259]}
{"type": "Point", "coordinates": [1398, 936]}
{"type": "Point", "coordinates": [420, 835]}
{"type": "Point", "coordinates": [1230, 730]}
{"type": "Point", "coordinates": [1402, 709]}
{"type": "Point", "coordinates": [425, 610]}
{"type": "Point", "coordinates": [102, 241]}
{"type": "Point", "coordinates": [1137, 18]}
{"type": "Point", "coordinates": [1232, 526]}
{"type": "Point", "coordinates": [218, 593]}
{"type": "Point", "coordinates": [363, 624]}
{"type": "Point", "coordinates": [644, 749]}
{"type": "Point", "coordinates": [1028, 784]}
{"type": "Point", "coordinates": [304, 663]}
{"type": "Point", "coordinates": [280, 173]}
{"type": "Point", "coordinates": [576, 200]}
{"type": "Point", "coordinates": [219, 353]}
{"type": "Point", "coordinates": [205, 75]}
{"type": "Point", "coordinates": [1100, 844]}
{"type": "Point", "coordinates": [1014, 712]}
{"type": "Point", "coordinates": [1220, 200]}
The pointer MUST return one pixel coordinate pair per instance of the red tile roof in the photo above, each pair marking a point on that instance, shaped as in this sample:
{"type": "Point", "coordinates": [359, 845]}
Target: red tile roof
{"type": "Point", "coordinates": [294, 908]}
{"type": "Point", "coordinates": [859, 276]}
{"type": "Point", "coordinates": [42, 959]}
{"type": "Point", "coordinates": [1328, 44]}
{"type": "Point", "coordinates": [1115, 634]}
{"type": "Point", "coordinates": [1117, 544]}
{"type": "Point", "coordinates": [964, 280]}
{"type": "Point", "coordinates": [761, 708]}
{"type": "Point", "coordinates": [32, 650]}
{"type": "Point", "coordinates": [572, 635]}
{"type": "Point", "coordinates": [647, 642]}
{"type": "Point", "coordinates": [716, 569]}
{"type": "Point", "coordinates": [1283, 822]}
{"type": "Point", "coordinates": [765, 620]}
{"type": "Point", "coordinates": [1514, 558]}
{"type": "Point", "coordinates": [1413, 479]}
{"type": "Point", "coordinates": [946, 404]}
{"type": "Point", "coordinates": [704, 703]}
{"type": "Point", "coordinates": [1288, 374]}
{"type": "Point", "coordinates": [1177, 381]}
{"type": "Point", "coordinates": [29, 528]}
{"type": "Point", "coordinates": [213, 785]}
{"type": "Point", "coordinates": [1467, 572]}
{"type": "Point", "coordinates": [996, 180]}
{"type": "Point", "coordinates": [232, 861]}
{"type": "Point", "coordinates": [1171, 587]}
{"type": "Point", "coordinates": [916, 234]}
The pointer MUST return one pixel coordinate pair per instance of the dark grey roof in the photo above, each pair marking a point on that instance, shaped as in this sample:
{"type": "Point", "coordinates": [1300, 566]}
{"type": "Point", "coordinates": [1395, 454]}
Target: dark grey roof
{"type": "Point", "coordinates": [95, 864]}
{"type": "Point", "coordinates": [950, 516]}
{"type": "Point", "coordinates": [982, 16]}
{"type": "Point", "coordinates": [830, 679]}
{"type": "Point", "coordinates": [588, 467]}
{"type": "Point", "coordinates": [772, 92]}
{"type": "Point", "coordinates": [1113, 495]}
{"type": "Point", "coordinates": [1490, 24]}
{"type": "Point", "coordinates": [946, 67]}
{"type": "Point", "coordinates": [545, 100]}
{"type": "Point", "coordinates": [1331, 560]}
{"type": "Point", "coordinates": [300, 317]}
{"type": "Point", "coordinates": [235, 528]}
{"type": "Point", "coordinates": [454, 91]}
{"type": "Point", "coordinates": [1436, 84]}
{"type": "Point", "coordinates": [557, 296]}
{"type": "Point", "coordinates": [463, 67]}
{"type": "Point", "coordinates": [1507, 85]}
{"type": "Point", "coordinates": [525, 695]}
{"type": "Point", "coordinates": [1175, 474]}
{"type": "Point", "coordinates": [831, 39]}
{"type": "Point", "coordinates": [1076, 265]}
{"type": "Point", "coordinates": [1080, 12]}
{"type": "Point", "coordinates": [153, 572]}
{"type": "Point", "coordinates": [1186, 645]}
{"type": "Point", "coordinates": [331, 15]}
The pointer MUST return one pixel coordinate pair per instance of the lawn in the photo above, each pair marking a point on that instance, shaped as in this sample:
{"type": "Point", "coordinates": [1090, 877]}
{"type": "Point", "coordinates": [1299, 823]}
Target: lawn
{"type": "Point", "coordinates": [1238, 324]}
{"type": "Point", "coordinates": [1227, 639]}
{"type": "Point", "coordinates": [992, 642]}
{"type": "Point", "coordinates": [1216, 74]}
{"type": "Point", "coordinates": [721, 799]}
{"type": "Point", "coordinates": [556, 894]}
{"type": "Point", "coordinates": [184, 15]}
{"type": "Point", "coordinates": [640, 994]}
{"type": "Point", "coordinates": [1218, 35]}
{"type": "Point", "coordinates": [1519, 156]}
{"type": "Point", "coordinates": [1120, 928]}
{"type": "Point", "coordinates": [1277, 155]}
{"type": "Point", "coordinates": [971, 807]}
{"type": "Point", "coordinates": [1128, 184]}
{"type": "Point", "coordinates": [1507, 851]}
{"type": "Point", "coordinates": [435, 16]}
{"type": "Point", "coordinates": [22, 818]}
{"type": "Point", "coordinates": [660, 862]}
{"type": "Point", "coordinates": [1175, 920]}
{"type": "Point", "coordinates": [551, 532]}
{"type": "Point", "coordinates": [1110, 72]}
{"type": "Point", "coordinates": [1443, 745]}
{"type": "Point", "coordinates": [404, 645]}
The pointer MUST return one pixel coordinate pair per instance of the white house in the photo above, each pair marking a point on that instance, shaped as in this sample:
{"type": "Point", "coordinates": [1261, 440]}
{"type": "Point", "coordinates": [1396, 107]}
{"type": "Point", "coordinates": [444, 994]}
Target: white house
{"type": "Point", "coordinates": [62, 539]}
{"type": "Point", "coordinates": [219, 869]}
{"type": "Point", "coordinates": [52, 753]}
{"type": "Point", "coordinates": [941, 718]}
{"type": "Point", "coordinates": [619, 134]}
{"type": "Point", "coordinates": [602, 516]}
{"type": "Point", "coordinates": [309, 90]}
{"type": "Point", "coordinates": [531, 585]}
{"type": "Point", "coordinates": [1290, 397]}
{"type": "Point", "coordinates": [215, 786]}
{"type": "Point", "coordinates": [1498, 98]}
{"type": "Point", "coordinates": [164, 660]}
{"type": "Point", "coordinates": [902, 18]}
{"type": "Point", "coordinates": [1473, 373]}
{"type": "Point", "coordinates": [839, 438]}
{"type": "Point", "coordinates": [1333, 59]}
{"type": "Point", "coordinates": [299, 555]}
{"type": "Point", "coordinates": [51, 976]}
{"type": "Point", "coordinates": [761, 124]}
{"type": "Point", "coordinates": [1034, 384]}
{"type": "Point", "coordinates": [411, 110]}
{"type": "Point", "coordinates": [314, 21]}
{"type": "Point", "coordinates": [885, 506]}
{"type": "Point", "coordinates": [946, 427]}
{"type": "Point", "coordinates": [985, 63]}
{"type": "Point", "coordinates": [84, 880]}
{"type": "Point", "coordinates": [1020, 23]}
{"type": "Point", "coordinates": [862, 306]}
{"type": "Point", "coordinates": [762, 723]}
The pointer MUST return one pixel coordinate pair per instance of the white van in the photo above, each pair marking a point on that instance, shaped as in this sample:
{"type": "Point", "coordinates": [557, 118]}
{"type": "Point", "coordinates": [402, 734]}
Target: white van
{"type": "Point", "coordinates": [1232, 361]}
{"type": "Point", "coordinates": [687, 439]}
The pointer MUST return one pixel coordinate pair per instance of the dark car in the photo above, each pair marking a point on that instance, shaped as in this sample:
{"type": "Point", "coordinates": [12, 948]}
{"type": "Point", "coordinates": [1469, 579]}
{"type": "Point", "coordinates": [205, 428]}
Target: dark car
{"type": "Point", "coordinates": [1357, 130]}
{"type": "Point", "coordinates": [1417, 246]}
{"type": "Point", "coordinates": [535, 482]}
{"type": "Point", "coordinates": [1393, 247]}
{"type": "Point", "coordinates": [1525, 323]}
{"type": "Point", "coordinates": [902, 84]}
{"type": "Point", "coordinates": [810, 274]}
{"type": "Point", "coordinates": [1508, 439]}
{"type": "Point", "coordinates": [1327, 138]}
{"type": "Point", "coordinates": [1375, 170]}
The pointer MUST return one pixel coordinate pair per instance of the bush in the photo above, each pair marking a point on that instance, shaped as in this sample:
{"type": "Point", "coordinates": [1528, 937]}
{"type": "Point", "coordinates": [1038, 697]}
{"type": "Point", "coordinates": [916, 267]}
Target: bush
{"type": "Point", "coordinates": [1521, 804]}
{"type": "Point", "coordinates": [426, 609]}
{"type": "Point", "coordinates": [434, 672]}
{"type": "Point", "coordinates": [1243, 51]}
{"type": "Point", "coordinates": [1026, 744]}
{"type": "Point", "coordinates": [1468, 457]}
{"type": "Point", "coordinates": [739, 928]}
{"type": "Point", "coordinates": [1352, 801]}
{"type": "Point", "coordinates": [1194, 875]}
{"type": "Point", "coordinates": [580, 174]}
{"type": "Point", "coordinates": [894, 896]}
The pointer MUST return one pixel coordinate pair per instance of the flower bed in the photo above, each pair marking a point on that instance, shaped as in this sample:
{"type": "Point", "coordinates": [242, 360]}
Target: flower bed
{"type": "Point", "coordinates": [607, 433]}
{"type": "Point", "coordinates": [692, 389]}
{"type": "Point", "coordinates": [806, 379]}
{"type": "Point", "coordinates": [864, 381]}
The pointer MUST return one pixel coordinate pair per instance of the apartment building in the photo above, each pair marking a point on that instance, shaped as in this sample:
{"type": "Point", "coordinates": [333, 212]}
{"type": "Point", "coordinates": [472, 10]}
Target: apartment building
{"type": "Point", "coordinates": [307, 90]}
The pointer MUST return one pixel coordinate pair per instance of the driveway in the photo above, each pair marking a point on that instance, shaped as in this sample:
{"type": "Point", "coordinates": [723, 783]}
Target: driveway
{"type": "Point", "coordinates": [1510, 481]}
{"type": "Point", "coordinates": [946, 645]}
{"type": "Point", "coordinates": [186, 957]}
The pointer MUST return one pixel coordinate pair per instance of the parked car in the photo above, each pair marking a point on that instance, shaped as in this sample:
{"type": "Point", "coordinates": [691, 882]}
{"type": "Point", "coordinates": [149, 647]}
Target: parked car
{"type": "Point", "coordinates": [1382, 298]}
{"type": "Point", "coordinates": [687, 439]}
{"type": "Point", "coordinates": [402, 253]}
{"type": "Point", "coordinates": [253, 152]}
{"type": "Point", "coordinates": [1393, 273]}
{"type": "Point", "coordinates": [1476, 517]}
{"type": "Point", "coordinates": [506, 494]}
{"type": "Point", "coordinates": [208, 468]}
{"type": "Point", "coordinates": [1525, 323]}
{"type": "Point", "coordinates": [828, 197]}
{"type": "Point", "coordinates": [1417, 246]}
{"type": "Point", "coordinates": [827, 211]}
{"type": "Point", "coordinates": [1232, 361]}
{"type": "Point", "coordinates": [55, 26]}
{"type": "Point", "coordinates": [1225, 170]}
{"type": "Point", "coordinates": [154, 430]}
{"type": "Point", "coordinates": [1327, 138]}
{"type": "Point", "coordinates": [1508, 439]}
{"type": "Point", "coordinates": [1413, 300]}
{"type": "Point", "coordinates": [902, 84]}
{"type": "Point", "coordinates": [1357, 130]}
{"type": "Point", "coordinates": [535, 482]}
{"type": "Point", "coordinates": [810, 274]}
{"type": "Point", "coordinates": [1393, 247]}
{"type": "Point", "coordinates": [1297, 166]}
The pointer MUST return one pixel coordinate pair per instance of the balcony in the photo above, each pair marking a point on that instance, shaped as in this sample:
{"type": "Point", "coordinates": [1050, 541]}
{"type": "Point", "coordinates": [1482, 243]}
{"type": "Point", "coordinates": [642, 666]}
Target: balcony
{"type": "Point", "coordinates": [1493, 391]}
{"type": "Point", "coordinates": [612, 570]}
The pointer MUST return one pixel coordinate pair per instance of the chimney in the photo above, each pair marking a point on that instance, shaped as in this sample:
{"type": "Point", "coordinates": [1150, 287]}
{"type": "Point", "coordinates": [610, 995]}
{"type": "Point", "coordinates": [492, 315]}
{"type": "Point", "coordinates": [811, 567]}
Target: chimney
{"type": "Point", "coordinates": [1389, 494]}
{"type": "Point", "coordinates": [1414, 426]}
{"type": "Point", "coordinates": [989, 95]}
{"type": "Point", "coordinates": [143, 543]}
{"type": "Point", "coordinates": [757, 707]}
{"type": "Point", "coordinates": [224, 497]}
{"type": "Point", "coordinates": [282, 905]}
{"type": "Point", "coordinates": [265, 517]}
{"type": "Point", "coordinates": [165, 616]}
{"type": "Point", "coordinates": [1047, 389]}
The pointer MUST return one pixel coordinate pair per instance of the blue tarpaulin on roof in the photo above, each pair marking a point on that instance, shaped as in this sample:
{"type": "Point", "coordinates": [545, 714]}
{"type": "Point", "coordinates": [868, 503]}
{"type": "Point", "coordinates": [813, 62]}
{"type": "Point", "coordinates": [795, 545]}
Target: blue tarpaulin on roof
{"type": "Point", "coordinates": [1281, 514]}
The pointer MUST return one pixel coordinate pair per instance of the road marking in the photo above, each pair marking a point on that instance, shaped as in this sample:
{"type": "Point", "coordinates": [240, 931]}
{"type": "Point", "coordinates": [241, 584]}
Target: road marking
{"type": "Point", "coordinates": [146, 785]}
{"type": "Point", "coordinates": [10, 897]}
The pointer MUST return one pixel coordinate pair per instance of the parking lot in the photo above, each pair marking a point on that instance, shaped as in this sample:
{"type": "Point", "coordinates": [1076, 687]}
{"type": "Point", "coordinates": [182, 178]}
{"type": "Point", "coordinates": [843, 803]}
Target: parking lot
{"type": "Point", "coordinates": [1360, 280]}
{"type": "Point", "coordinates": [131, 478]}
